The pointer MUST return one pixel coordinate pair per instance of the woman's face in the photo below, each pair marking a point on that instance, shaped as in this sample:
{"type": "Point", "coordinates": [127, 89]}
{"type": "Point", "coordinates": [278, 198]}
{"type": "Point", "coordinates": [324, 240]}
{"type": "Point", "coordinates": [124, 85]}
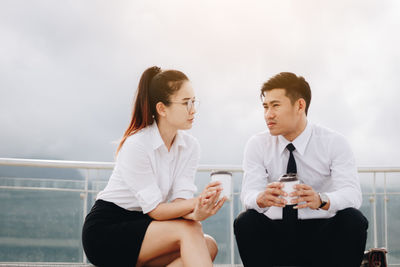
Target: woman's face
{"type": "Point", "coordinates": [178, 114]}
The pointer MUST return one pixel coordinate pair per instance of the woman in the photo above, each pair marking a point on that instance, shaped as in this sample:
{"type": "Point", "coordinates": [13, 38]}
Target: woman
{"type": "Point", "coordinates": [147, 215]}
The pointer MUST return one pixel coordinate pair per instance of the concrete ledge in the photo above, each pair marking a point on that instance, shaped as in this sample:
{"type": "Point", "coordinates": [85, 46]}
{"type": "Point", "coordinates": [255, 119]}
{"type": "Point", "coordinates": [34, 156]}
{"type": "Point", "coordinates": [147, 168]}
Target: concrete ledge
{"type": "Point", "coordinates": [44, 264]}
{"type": "Point", "coordinates": [73, 264]}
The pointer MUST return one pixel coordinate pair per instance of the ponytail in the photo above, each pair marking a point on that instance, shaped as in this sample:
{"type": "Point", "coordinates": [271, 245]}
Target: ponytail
{"type": "Point", "coordinates": [142, 115]}
{"type": "Point", "coordinates": [154, 86]}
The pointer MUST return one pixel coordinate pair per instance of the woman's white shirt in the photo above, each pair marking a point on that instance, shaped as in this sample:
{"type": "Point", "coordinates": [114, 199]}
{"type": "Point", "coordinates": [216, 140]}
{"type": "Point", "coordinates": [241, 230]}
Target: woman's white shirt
{"type": "Point", "coordinates": [146, 174]}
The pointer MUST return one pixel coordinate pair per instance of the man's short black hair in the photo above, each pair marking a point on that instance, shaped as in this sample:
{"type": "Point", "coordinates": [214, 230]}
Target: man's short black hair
{"type": "Point", "coordinates": [296, 87]}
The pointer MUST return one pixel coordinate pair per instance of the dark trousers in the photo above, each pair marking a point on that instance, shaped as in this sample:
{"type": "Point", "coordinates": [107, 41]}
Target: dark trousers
{"type": "Point", "coordinates": [338, 241]}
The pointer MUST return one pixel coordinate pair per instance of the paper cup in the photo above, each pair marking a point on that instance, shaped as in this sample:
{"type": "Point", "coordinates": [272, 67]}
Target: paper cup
{"type": "Point", "coordinates": [226, 183]}
{"type": "Point", "coordinates": [289, 181]}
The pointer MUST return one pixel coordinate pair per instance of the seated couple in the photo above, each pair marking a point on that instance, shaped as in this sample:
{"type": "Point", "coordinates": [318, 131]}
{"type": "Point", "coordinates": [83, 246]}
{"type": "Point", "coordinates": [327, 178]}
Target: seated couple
{"type": "Point", "coordinates": [147, 214]}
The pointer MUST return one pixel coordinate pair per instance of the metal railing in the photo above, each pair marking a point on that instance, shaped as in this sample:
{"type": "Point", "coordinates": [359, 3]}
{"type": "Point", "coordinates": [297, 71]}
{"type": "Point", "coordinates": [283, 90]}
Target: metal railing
{"type": "Point", "coordinates": [377, 188]}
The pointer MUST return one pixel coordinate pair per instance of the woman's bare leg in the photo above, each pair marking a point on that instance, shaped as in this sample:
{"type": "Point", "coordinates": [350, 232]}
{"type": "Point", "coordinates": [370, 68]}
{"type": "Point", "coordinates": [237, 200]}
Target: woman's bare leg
{"type": "Point", "coordinates": [174, 258]}
{"type": "Point", "coordinates": [212, 246]}
{"type": "Point", "coordinates": [165, 260]}
{"type": "Point", "coordinates": [168, 237]}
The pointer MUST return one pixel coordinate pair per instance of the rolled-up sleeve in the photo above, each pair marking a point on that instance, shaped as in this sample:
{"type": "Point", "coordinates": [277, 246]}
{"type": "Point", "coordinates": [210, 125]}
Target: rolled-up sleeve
{"type": "Point", "coordinates": [137, 173]}
{"type": "Point", "coordinates": [346, 191]}
{"type": "Point", "coordinates": [255, 177]}
{"type": "Point", "coordinates": [184, 186]}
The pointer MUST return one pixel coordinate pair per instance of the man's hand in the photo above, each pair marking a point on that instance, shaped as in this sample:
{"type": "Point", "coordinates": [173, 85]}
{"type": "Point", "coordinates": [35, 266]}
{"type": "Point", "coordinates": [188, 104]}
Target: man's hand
{"type": "Point", "coordinates": [271, 196]}
{"type": "Point", "coordinates": [305, 195]}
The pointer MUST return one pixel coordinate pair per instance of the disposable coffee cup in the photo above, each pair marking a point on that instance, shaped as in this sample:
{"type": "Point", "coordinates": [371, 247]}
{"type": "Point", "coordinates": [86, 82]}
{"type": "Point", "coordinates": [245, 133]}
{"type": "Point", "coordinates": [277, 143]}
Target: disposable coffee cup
{"type": "Point", "coordinates": [225, 178]}
{"type": "Point", "coordinates": [289, 180]}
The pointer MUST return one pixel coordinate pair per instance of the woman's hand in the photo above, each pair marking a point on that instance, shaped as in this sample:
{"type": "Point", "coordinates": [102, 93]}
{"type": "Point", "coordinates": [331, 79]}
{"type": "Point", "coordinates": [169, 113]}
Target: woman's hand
{"type": "Point", "coordinates": [207, 202]}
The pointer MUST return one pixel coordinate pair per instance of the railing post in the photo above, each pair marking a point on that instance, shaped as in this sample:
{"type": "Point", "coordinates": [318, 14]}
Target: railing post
{"type": "Point", "coordinates": [374, 212]}
{"type": "Point", "coordinates": [85, 203]}
{"type": "Point", "coordinates": [385, 200]}
{"type": "Point", "coordinates": [231, 224]}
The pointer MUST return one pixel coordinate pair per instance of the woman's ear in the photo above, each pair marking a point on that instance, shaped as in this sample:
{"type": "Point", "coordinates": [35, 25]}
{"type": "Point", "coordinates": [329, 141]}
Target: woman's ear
{"type": "Point", "coordinates": [160, 108]}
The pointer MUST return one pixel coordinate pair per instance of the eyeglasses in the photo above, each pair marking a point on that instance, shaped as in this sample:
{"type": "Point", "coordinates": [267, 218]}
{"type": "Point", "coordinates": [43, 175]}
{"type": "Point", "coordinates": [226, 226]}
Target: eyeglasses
{"type": "Point", "coordinates": [190, 104]}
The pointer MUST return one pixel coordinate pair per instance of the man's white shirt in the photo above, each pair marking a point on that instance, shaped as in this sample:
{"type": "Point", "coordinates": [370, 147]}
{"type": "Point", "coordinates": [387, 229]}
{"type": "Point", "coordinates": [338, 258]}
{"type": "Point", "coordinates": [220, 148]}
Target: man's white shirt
{"type": "Point", "coordinates": [324, 161]}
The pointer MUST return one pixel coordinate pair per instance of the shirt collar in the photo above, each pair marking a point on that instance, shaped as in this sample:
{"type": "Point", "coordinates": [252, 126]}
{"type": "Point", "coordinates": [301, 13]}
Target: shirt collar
{"type": "Point", "coordinates": [157, 140]}
{"type": "Point", "coordinates": [301, 141]}
{"type": "Point", "coordinates": [179, 140]}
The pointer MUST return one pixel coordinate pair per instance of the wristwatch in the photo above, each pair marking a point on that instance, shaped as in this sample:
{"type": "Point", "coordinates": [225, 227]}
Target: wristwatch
{"type": "Point", "coordinates": [324, 199]}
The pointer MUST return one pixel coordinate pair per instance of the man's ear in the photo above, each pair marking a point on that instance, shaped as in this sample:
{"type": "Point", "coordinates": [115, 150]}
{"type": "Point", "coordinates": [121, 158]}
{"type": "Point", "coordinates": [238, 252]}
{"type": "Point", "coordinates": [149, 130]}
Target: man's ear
{"type": "Point", "coordinates": [160, 108]}
{"type": "Point", "coordinates": [301, 104]}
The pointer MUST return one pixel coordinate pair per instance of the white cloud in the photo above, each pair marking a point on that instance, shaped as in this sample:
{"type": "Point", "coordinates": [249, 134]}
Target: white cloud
{"type": "Point", "coordinates": [68, 70]}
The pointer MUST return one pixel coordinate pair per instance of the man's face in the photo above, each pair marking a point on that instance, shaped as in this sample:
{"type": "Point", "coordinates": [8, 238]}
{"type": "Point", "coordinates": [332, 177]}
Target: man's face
{"type": "Point", "coordinates": [281, 116]}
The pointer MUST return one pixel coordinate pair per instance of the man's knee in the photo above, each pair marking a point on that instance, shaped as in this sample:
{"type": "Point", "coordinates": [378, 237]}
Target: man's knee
{"type": "Point", "coordinates": [245, 221]}
{"type": "Point", "coordinates": [353, 219]}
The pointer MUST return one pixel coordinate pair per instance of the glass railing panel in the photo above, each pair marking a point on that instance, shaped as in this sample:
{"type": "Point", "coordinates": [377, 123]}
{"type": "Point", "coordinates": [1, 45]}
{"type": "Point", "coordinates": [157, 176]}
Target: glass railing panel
{"type": "Point", "coordinates": [393, 236]}
{"type": "Point", "coordinates": [97, 181]}
{"type": "Point", "coordinates": [41, 173]}
{"type": "Point", "coordinates": [367, 182]}
{"type": "Point", "coordinates": [379, 183]}
{"type": "Point", "coordinates": [393, 217]}
{"type": "Point", "coordinates": [41, 183]}
{"type": "Point", "coordinates": [40, 226]}
{"type": "Point", "coordinates": [393, 183]}
{"type": "Point", "coordinates": [218, 226]}
{"type": "Point", "coordinates": [238, 208]}
{"type": "Point", "coordinates": [367, 209]}
{"type": "Point", "coordinates": [380, 220]}
{"type": "Point", "coordinates": [43, 221]}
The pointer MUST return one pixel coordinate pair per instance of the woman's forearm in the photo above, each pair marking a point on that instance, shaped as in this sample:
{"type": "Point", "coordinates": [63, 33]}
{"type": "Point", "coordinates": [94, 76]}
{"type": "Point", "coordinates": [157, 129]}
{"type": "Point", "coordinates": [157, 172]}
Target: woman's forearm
{"type": "Point", "coordinates": [177, 208]}
{"type": "Point", "coordinates": [189, 216]}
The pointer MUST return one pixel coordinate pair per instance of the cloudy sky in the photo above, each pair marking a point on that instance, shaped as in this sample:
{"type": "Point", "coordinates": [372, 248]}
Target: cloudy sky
{"type": "Point", "coordinates": [69, 70]}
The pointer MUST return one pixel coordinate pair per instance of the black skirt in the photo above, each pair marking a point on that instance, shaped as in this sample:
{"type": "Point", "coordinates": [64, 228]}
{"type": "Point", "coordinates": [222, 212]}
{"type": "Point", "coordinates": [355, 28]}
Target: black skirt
{"type": "Point", "coordinates": [112, 236]}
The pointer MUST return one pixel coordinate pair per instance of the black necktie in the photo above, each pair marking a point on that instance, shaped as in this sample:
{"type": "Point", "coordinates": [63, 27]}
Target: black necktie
{"type": "Point", "coordinates": [288, 213]}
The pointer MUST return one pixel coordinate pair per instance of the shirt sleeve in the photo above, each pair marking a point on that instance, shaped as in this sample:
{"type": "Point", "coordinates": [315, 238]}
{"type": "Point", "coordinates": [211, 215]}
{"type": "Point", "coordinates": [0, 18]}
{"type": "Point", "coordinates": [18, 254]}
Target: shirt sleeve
{"type": "Point", "coordinates": [184, 186]}
{"type": "Point", "coordinates": [255, 177]}
{"type": "Point", "coordinates": [346, 191]}
{"type": "Point", "coordinates": [137, 172]}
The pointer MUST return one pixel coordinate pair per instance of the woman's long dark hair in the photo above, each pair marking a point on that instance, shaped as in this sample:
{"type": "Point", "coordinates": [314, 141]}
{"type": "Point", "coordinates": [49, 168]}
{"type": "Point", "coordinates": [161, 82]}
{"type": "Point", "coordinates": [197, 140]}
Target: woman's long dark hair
{"type": "Point", "coordinates": [154, 86]}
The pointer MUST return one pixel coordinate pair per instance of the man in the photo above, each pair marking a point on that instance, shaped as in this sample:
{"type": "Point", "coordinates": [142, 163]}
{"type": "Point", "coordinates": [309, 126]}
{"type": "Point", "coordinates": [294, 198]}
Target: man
{"type": "Point", "coordinates": [322, 225]}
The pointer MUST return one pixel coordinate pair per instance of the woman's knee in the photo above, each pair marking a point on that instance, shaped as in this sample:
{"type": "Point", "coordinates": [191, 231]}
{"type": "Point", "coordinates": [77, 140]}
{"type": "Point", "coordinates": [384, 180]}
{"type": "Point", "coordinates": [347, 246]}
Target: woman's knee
{"type": "Point", "coordinates": [212, 246]}
{"type": "Point", "coordinates": [189, 227]}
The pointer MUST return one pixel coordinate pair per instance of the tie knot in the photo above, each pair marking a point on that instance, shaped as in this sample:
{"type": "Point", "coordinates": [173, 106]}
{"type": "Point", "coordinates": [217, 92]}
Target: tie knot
{"type": "Point", "coordinates": [290, 147]}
